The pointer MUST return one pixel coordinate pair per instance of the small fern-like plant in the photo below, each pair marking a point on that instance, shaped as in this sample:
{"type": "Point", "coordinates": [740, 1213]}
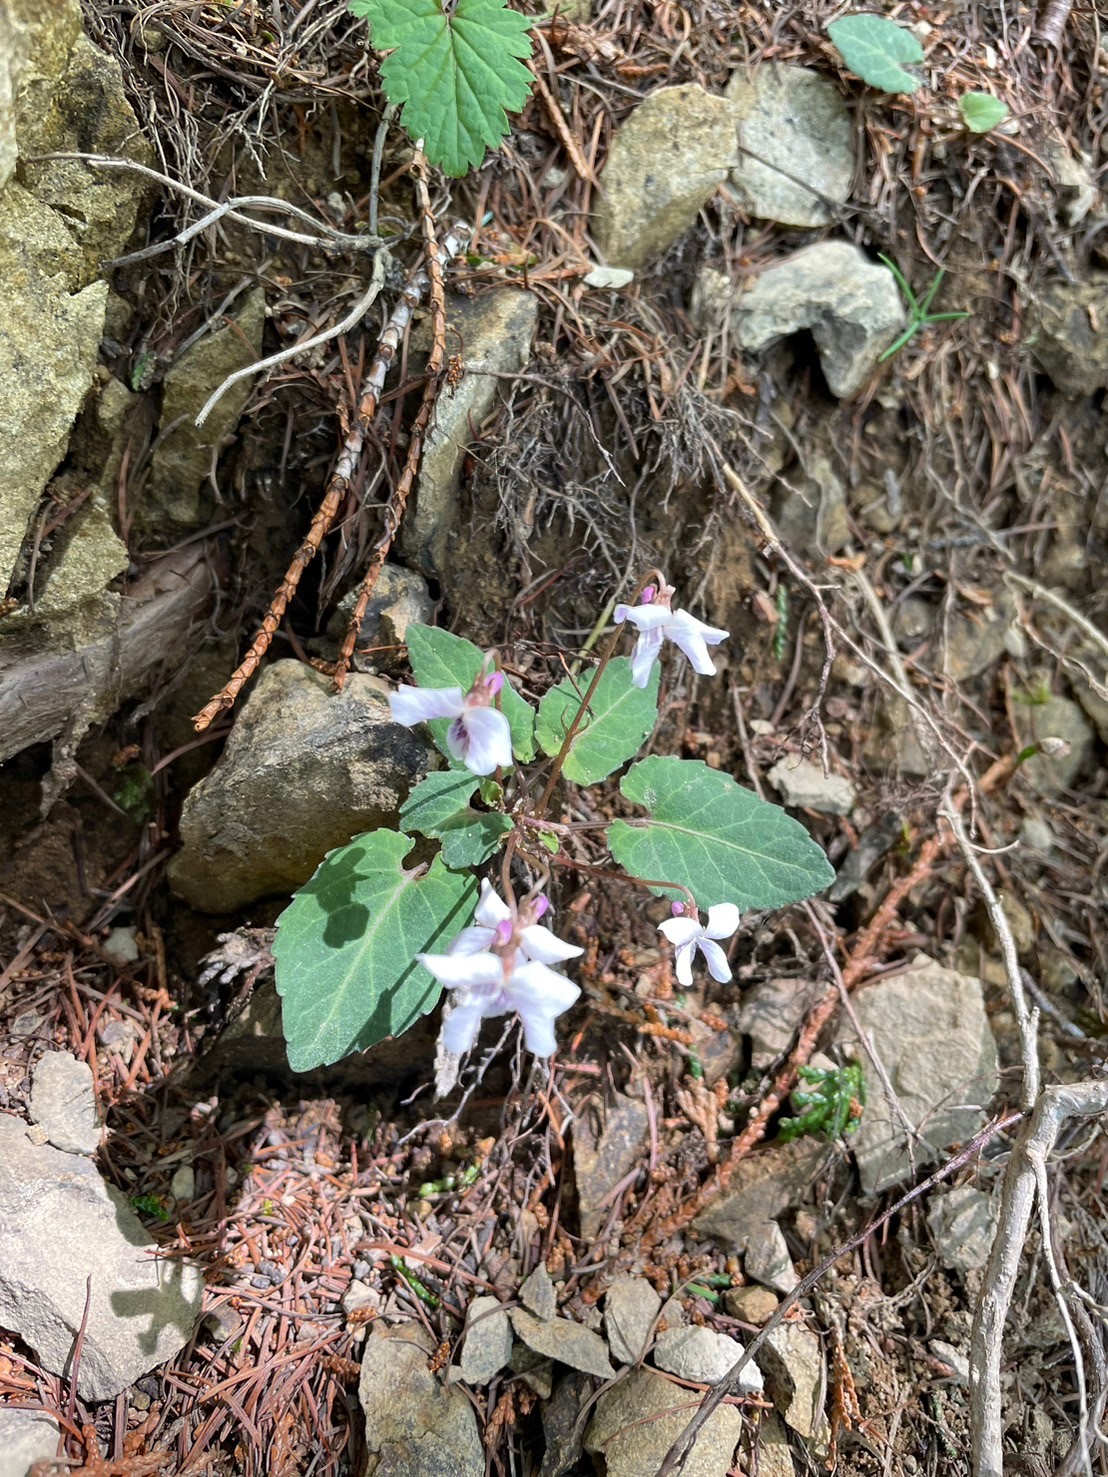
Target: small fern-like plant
{"type": "Point", "coordinates": [454, 68]}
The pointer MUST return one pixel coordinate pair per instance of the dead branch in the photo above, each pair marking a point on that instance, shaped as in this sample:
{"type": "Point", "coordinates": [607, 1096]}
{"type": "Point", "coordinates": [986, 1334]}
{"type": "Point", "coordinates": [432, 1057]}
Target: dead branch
{"type": "Point", "coordinates": [325, 239]}
{"type": "Point", "coordinates": [1053, 23]}
{"type": "Point", "coordinates": [352, 319]}
{"type": "Point", "coordinates": [44, 692]}
{"type": "Point", "coordinates": [337, 488]}
{"type": "Point", "coordinates": [398, 499]}
{"type": "Point", "coordinates": [1025, 1185]}
{"type": "Point", "coordinates": [1024, 1178]}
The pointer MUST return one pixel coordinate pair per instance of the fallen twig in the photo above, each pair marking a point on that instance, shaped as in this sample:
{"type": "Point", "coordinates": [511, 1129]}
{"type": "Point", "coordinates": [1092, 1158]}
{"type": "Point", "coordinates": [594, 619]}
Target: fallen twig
{"type": "Point", "coordinates": [339, 485]}
{"type": "Point", "coordinates": [398, 498]}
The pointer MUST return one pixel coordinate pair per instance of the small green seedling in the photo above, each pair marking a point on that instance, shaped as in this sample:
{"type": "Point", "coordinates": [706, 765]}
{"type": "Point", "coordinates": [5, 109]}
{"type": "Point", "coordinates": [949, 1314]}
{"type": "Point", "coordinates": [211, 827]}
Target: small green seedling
{"type": "Point", "coordinates": [833, 1107]}
{"type": "Point", "coordinates": [919, 309]}
{"type": "Point", "coordinates": [425, 1295]}
{"type": "Point", "coordinates": [877, 50]}
{"type": "Point", "coordinates": [981, 112]}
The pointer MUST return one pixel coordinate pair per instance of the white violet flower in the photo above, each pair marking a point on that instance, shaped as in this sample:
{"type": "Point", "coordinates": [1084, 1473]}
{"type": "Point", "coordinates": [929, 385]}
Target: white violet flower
{"type": "Point", "coordinates": [479, 735]}
{"type": "Point", "coordinates": [656, 621]}
{"type": "Point", "coordinates": [689, 934]}
{"type": "Point", "coordinates": [499, 963]}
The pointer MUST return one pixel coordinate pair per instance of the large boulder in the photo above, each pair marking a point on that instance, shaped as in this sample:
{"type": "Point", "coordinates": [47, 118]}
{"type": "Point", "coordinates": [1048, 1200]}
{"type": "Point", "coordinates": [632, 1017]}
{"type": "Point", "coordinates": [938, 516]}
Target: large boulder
{"type": "Point", "coordinates": [304, 771]}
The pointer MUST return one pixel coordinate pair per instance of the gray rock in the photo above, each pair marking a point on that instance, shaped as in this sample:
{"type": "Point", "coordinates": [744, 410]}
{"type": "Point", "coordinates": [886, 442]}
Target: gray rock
{"type": "Point", "coordinates": [913, 618]}
{"type": "Point", "coordinates": [534, 1369]}
{"type": "Point", "coordinates": [60, 1224]}
{"type": "Point", "coordinates": [850, 305]}
{"type": "Point", "coordinates": [1068, 333]}
{"type": "Point", "coordinates": [763, 1188]}
{"type": "Point", "coordinates": [664, 164]}
{"type": "Point", "coordinates": [121, 946]}
{"type": "Point", "coordinates": [1038, 834]}
{"type": "Point", "coordinates": [1061, 725]}
{"type": "Point", "coordinates": [183, 1184]}
{"type": "Point", "coordinates": [796, 1379]}
{"type": "Point", "coordinates": [929, 1029]}
{"type": "Point", "coordinates": [58, 221]}
{"type": "Point", "coordinates": [488, 1341]}
{"type": "Point", "coordinates": [602, 1156]}
{"type": "Point", "coordinates": [750, 1304]}
{"type": "Point", "coordinates": [537, 1294]}
{"type": "Point", "coordinates": [704, 1356]}
{"type": "Point", "coordinates": [26, 1437]}
{"type": "Point", "coordinates": [568, 1343]}
{"type": "Point", "coordinates": [798, 120]}
{"type": "Point", "coordinates": [974, 643]}
{"type": "Point", "coordinates": [82, 565]}
{"type": "Point", "coordinates": [638, 1421]}
{"type": "Point", "coordinates": [63, 1101]}
{"type": "Point", "coordinates": [359, 1296]}
{"type": "Point", "coordinates": [496, 332]}
{"type": "Point", "coordinates": [400, 599]}
{"type": "Point", "coordinates": [772, 1443]}
{"type": "Point", "coordinates": [804, 784]}
{"type": "Point", "coordinates": [767, 1258]}
{"type": "Point", "coordinates": [562, 1434]}
{"type": "Point", "coordinates": [48, 344]}
{"type": "Point", "coordinates": [415, 1426]}
{"type": "Point", "coordinates": [771, 1013]}
{"type": "Point", "coordinates": [810, 508]}
{"type": "Point", "coordinates": [1088, 661]}
{"type": "Point", "coordinates": [182, 457]}
{"type": "Point", "coordinates": [962, 1222]}
{"type": "Point", "coordinates": [630, 1307]}
{"type": "Point", "coordinates": [304, 771]}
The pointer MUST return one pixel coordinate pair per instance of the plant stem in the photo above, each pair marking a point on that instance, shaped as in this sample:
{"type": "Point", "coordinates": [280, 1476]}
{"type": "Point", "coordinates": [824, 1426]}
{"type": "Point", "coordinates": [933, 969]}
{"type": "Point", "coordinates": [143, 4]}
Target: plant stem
{"type": "Point", "coordinates": [578, 719]}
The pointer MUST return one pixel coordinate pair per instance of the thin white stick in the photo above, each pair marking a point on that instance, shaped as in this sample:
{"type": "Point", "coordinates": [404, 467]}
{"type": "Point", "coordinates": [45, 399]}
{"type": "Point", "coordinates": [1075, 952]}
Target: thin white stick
{"type": "Point", "coordinates": [1041, 592]}
{"type": "Point", "coordinates": [354, 317]}
{"type": "Point", "coordinates": [328, 238]}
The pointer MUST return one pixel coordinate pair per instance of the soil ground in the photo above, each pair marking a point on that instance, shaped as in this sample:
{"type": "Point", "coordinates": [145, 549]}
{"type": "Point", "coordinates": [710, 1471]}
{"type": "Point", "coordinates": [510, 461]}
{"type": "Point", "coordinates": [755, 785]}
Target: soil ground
{"type": "Point", "coordinates": [972, 485]}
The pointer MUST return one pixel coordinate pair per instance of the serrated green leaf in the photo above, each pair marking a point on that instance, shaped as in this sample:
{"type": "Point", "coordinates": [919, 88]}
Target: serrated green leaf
{"type": "Point", "coordinates": [874, 48]}
{"type": "Point", "coordinates": [720, 840]}
{"type": "Point", "coordinates": [346, 946]}
{"type": "Point", "coordinates": [456, 75]}
{"type": "Point", "coordinates": [438, 807]}
{"type": "Point", "coordinates": [441, 659]}
{"type": "Point", "coordinates": [620, 717]}
{"type": "Point", "coordinates": [981, 111]}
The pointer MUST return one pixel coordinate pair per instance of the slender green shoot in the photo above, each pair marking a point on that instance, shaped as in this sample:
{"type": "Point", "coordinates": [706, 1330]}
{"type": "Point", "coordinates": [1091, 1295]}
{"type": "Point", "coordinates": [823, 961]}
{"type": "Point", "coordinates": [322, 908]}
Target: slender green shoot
{"type": "Point", "coordinates": [919, 309]}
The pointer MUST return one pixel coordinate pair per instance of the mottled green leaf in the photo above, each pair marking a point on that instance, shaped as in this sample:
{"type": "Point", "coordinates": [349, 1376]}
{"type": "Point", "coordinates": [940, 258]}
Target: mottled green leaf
{"type": "Point", "coordinates": [346, 946]}
{"type": "Point", "coordinates": [875, 49]}
{"type": "Point", "coordinates": [718, 839]}
{"type": "Point", "coordinates": [438, 807]}
{"type": "Point", "coordinates": [620, 717]}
